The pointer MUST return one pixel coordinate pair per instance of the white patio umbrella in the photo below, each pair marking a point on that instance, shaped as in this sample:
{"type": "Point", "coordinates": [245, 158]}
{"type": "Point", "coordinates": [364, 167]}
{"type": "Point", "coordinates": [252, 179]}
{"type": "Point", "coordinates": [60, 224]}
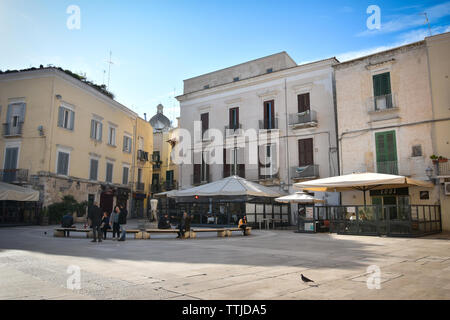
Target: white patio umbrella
{"type": "Point", "coordinates": [12, 192]}
{"type": "Point", "coordinates": [362, 182]}
{"type": "Point", "coordinates": [230, 186]}
{"type": "Point", "coordinates": [298, 197]}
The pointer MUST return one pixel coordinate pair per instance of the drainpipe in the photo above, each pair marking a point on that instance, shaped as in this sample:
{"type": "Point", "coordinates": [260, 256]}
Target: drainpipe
{"type": "Point", "coordinates": [287, 139]}
{"type": "Point", "coordinates": [133, 166]}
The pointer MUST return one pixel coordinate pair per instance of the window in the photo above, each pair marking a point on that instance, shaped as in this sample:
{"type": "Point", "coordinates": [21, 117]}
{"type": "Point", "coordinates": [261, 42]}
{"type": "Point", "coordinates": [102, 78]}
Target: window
{"type": "Point", "coordinates": [112, 136]}
{"type": "Point", "coordinates": [382, 91]}
{"type": "Point", "coordinates": [63, 163]}
{"type": "Point", "coordinates": [303, 102]}
{"type": "Point", "coordinates": [269, 115]}
{"type": "Point", "coordinates": [15, 117]}
{"type": "Point", "coordinates": [66, 118]}
{"type": "Point", "coordinates": [109, 172]}
{"type": "Point", "coordinates": [206, 86]}
{"type": "Point", "coordinates": [126, 171]}
{"type": "Point", "coordinates": [305, 152]}
{"type": "Point", "coordinates": [234, 118]}
{"type": "Point", "coordinates": [93, 173]}
{"type": "Point", "coordinates": [204, 117]}
{"type": "Point", "coordinates": [270, 70]}
{"type": "Point", "coordinates": [236, 79]}
{"type": "Point", "coordinates": [140, 143]}
{"type": "Point", "coordinates": [417, 151]}
{"type": "Point", "coordinates": [386, 149]}
{"type": "Point", "coordinates": [96, 130]}
{"type": "Point", "coordinates": [127, 144]}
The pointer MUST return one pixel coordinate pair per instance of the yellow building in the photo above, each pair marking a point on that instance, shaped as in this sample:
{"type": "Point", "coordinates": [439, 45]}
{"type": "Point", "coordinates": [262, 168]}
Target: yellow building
{"type": "Point", "coordinates": [439, 69]}
{"type": "Point", "coordinates": [64, 136]}
{"type": "Point", "coordinates": [165, 172]}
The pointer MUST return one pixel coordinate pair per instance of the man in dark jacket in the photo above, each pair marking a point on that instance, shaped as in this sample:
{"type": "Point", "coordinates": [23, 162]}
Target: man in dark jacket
{"type": "Point", "coordinates": [95, 218]}
{"type": "Point", "coordinates": [164, 222]}
{"type": "Point", "coordinates": [123, 221]}
{"type": "Point", "coordinates": [67, 222]}
{"type": "Point", "coordinates": [185, 225]}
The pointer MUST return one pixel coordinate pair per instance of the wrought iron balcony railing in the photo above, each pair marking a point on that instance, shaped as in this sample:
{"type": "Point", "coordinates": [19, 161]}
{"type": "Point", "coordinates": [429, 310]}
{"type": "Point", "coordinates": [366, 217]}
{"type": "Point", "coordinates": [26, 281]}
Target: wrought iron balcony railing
{"type": "Point", "coordinates": [382, 103]}
{"type": "Point", "coordinates": [140, 186]}
{"type": "Point", "coordinates": [443, 168]}
{"type": "Point", "coordinates": [268, 124]}
{"type": "Point", "coordinates": [388, 167]}
{"type": "Point", "coordinates": [303, 119]}
{"type": "Point", "coordinates": [10, 130]}
{"type": "Point", "coordinates": [142, 155]}
{"type": "Point", "coordinates": [305, 172]}
{"type": "Point", "coordinates": [14, 175]}
{"type": "Point", "coordinates": [233, 130]}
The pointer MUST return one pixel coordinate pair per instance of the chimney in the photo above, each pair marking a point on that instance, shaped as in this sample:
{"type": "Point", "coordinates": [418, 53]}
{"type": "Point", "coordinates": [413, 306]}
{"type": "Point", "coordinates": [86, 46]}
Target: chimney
{"type": "Point", "coordinates": [145, 116]}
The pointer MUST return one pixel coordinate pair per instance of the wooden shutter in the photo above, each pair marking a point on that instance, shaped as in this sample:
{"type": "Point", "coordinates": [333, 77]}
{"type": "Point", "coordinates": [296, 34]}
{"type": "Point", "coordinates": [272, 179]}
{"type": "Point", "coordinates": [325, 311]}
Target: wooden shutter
{"type": "Point", "coordinates": [197, 173]}
{"type": "Point", "coordinates": [205, 122]}
{"type": "Point", "coordinates": [125, 175]}
{"type": "Point", "coordinates": [303, 102]}
{"type": "Point", "coordinates": [234, 118]}
{"type": "Point", "coordinates": [226, 164]}
{"type": "Point", "coordinates": [386, 149]}
{"type": "Point", "coordinates": [269, 114]}
{"type": "Point", "coordinates": [305, 152]}
{"type": "Point", "coordinates": [93, 129]}
{"type": "Point", "coordinates": [61, 117]}
{"type": "Point", "coordinates": [101, 131]}
{"type": "Point", "coordinates": [72, 120]}
{"type": "Point", "coordinates": [22, 112]}
{"type": "Point", "coordinates": [94, 169]}
{"type": "Point", "coordinates": [381, 84]}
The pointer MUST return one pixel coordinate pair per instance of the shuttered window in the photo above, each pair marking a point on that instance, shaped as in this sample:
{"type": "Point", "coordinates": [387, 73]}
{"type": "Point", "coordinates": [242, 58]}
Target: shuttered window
{"type": "Point", "coordinates": [386, 148]}
{"type": "Point", "coordinates": [204, 117]}
{"type": "Point", "coordinates": [381, 84]}
{"type": "Point", "coordinates": [96, 130]}
{"type": "Point", "coordinates": [63, 163]}
{"type": "Point", "coordinates": [234, 118]}
{"type": "Point", "coordinates": [303, 102]}
{"type": "Point", "coordinates": [305, 152]}
{"type": "Point", "coordinates": [93, 174]}
{"type": "Point", "coordinates": [127, 144]}
{"type": "Point", "coordinates": [66, 118]}
{"type": "Point", "coordinates": [125, 175]}
{"type": "Point", "coordinates": [269, 114]}
{"type": "Point", "coordinates": [109, 172]}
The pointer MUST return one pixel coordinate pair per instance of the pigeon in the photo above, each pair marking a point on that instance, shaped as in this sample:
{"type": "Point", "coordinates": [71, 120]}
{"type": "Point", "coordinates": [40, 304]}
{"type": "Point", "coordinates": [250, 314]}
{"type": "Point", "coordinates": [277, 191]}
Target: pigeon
{"type": "Point", "coordinates": [305, 279]}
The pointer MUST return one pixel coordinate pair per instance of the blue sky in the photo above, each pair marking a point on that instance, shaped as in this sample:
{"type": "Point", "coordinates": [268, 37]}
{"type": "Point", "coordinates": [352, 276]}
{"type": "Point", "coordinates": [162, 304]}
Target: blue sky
{"type": "Point", "coordinates": [157, 44]}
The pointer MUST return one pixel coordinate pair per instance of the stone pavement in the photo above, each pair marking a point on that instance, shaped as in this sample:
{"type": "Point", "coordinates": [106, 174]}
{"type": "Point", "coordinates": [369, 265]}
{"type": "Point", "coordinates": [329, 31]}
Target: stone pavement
{"type": "Point", "coordinates": [266, 265]}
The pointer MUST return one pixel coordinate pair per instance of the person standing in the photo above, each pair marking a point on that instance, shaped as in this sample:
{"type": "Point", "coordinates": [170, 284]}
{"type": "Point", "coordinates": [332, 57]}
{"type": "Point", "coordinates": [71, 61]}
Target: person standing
{"type": "Point", "coordinates": [123, 221]}
{"type": "Point", "coordinates": [185, 225]}
{"type": "Point", "coordinates": [105, 224]}
{"type": "Point", "coordinates": [95, 218]}
{"type": "Point", "coordinates": [114, 222]}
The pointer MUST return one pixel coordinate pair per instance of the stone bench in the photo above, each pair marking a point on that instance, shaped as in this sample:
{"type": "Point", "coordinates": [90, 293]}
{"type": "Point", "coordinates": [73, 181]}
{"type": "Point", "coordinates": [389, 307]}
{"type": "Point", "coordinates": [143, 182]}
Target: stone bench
{"type": "Point", "coordinates": [247, 229]}
{"type": "Point", "coordinates": [221, 232]}
{"type": "Point", "coordinates": [59, 232]}
{"type": "Point", "coordinates": [187, 234]}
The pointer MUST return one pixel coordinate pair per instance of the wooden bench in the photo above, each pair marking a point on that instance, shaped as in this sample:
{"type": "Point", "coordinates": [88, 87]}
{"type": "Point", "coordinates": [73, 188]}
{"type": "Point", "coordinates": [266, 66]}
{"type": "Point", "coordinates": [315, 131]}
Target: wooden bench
{"type": "Point", "coordinates": [59, 232]}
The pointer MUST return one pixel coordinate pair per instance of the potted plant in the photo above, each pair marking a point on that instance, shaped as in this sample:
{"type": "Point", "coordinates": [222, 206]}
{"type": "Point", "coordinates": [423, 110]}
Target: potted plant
{"type": "Point", "coordinates": [442, 159]}
{"type": "Point", "coordinates": [434, 158]}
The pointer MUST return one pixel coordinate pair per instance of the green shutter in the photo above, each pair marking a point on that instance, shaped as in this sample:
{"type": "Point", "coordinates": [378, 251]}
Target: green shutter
{"type": "Point", "coordinates": [381, 84]}
{"type": "Point", "coordinates": [386, 149]}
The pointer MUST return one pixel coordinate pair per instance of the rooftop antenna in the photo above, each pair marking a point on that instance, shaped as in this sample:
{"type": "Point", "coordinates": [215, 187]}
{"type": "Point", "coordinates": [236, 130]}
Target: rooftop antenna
{"type": "Point", "coordinates": [109, 67]}
{"type": "Point", "coordinates": [104, 73]}
{"type": "Point", "coordinates": [427, 22]}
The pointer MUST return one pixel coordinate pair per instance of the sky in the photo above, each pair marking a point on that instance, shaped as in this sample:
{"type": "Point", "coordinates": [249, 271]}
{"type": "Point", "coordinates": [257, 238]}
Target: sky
{"type": "Point", "coordinates": [155, 45]}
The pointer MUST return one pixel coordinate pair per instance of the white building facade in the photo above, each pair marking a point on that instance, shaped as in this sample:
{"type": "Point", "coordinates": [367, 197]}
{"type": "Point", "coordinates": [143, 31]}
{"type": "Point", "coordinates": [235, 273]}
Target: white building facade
{"type": "Point", "coordinates": [271, 121]}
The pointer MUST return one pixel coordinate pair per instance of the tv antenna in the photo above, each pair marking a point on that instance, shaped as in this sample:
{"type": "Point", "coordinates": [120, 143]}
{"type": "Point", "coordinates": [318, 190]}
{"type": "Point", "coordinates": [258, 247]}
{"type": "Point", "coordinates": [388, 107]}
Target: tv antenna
{"type": "Point", "coordinates": [109, 67]}
{"type": "Point", "coordinates": [427, 22]}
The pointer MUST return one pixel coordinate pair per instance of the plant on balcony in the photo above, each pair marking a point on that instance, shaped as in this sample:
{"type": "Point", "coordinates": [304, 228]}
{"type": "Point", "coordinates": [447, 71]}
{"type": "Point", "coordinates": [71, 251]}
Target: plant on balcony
{"type": "Point", "coordinates": [442, 159]}
{"type": "Point", "coordinates": [436, 159]}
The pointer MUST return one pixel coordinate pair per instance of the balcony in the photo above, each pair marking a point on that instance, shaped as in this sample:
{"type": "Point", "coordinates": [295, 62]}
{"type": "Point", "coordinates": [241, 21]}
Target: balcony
{"type": "Point", "coordinates": [155, 188]}
{"type": "Point", "coordinates": [142, 155]}
{"type": "Point", "coordinates": [10, 130]}
{"type": "Point", "coordinates": [233, 131]}
{"type": "Point", "coordinates": [382, 103]}
{"type": "Point", "coordinates": [305, 119]}
{"type": "Point", "coordinates": [443, 168]}
{"type": "Point", "coordinates": [387, 167]}
{"type": "Point", "coordinates": [14, 175]}
{"type": "Point", "coordinates": [305, 172]}
{"type": "Point", "coordinates": [268, 125]}
{"type": "Point", "coordinates": [140, 186]}
{"type": "Point", "coordinates": [170, 185]}
{"type": "Point", "coordinates": [196, 180]}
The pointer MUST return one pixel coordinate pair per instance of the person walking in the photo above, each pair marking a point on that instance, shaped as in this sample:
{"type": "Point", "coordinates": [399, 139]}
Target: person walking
{"type": "Point", "coordinates": [114, 222]}
{"type": "Point", "coordinates": [95, 219]}
{"type": "Point", "coordinates": [105, 224]}
{"type": "Point", "coordinates": [243, 224]}
{"type": "Point", "coordinates": [123, 213]}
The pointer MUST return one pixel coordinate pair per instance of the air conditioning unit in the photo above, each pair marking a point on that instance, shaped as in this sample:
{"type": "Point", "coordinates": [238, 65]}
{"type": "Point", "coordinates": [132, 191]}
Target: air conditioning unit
{"type": "Point", "coordinates": [447, 188]}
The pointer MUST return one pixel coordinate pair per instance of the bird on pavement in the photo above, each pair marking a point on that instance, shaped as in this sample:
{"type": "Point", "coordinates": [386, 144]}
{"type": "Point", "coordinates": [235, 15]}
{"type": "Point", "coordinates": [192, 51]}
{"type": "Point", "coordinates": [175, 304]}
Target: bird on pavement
{"type": "Point", "coordinates": [306, 280]}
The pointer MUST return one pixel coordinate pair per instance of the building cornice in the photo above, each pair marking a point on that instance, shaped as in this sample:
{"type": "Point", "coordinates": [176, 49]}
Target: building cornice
{"type": "Point", "coordinates": [52, 72]}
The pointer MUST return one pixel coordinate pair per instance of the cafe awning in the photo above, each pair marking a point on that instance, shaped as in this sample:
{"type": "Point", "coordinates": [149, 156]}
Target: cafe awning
{"type": "Point", "coordinates": [298, 197]}
{"type": "Point", "coordinates": [230, 186]}
{"type": "Point", "coordinates": [11, 192]}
